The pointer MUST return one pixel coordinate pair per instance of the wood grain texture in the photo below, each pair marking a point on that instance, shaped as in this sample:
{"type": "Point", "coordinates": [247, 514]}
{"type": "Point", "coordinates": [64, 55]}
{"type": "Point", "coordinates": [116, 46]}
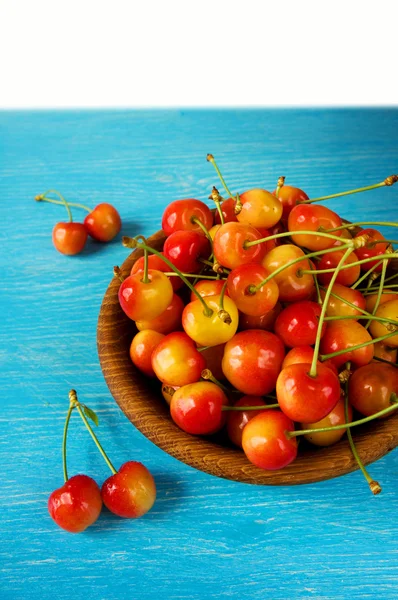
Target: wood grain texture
{"type": "Point", "coordinates": [205, 537]}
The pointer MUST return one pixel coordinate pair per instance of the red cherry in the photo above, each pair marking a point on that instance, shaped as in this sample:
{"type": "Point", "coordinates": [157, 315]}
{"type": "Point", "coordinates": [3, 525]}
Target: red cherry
{"type": "Point", "coordinates": [180, 214]}
{"type": "Point", "coordinates": [157, 264]}
{"type": "Point", "coordinates": [255, 303]}
{"type": "Point", "coordinates": [103, 223]}
{"type": "Point", "coordinates": [208, 287]}
{"type": "Point", "coordinates": [184, 248]}
{"type": "Point", "coordinates": [237, 420]}
{"type": "Point", "coordinates": [370, 250]}
{"type": "Point", "coordinates": [141, 349]}
{"type": "Point", "coordinates": [228, 211]}
{"type": "Point", "coordinates": [297, 325]}
{"type": "Point", "coordinates": [265, 442]}
{"type": "Point", "coordinates": [252, 361]}
{"type": "Point", "coordinates": [292, 285]}
{"type": "Point", "coordinates": [370, 387]}
{"type": "Point", "coordinates": [340, 335]}
{"type": "Point", "coordinates": [304, 398]}
{"type": "Point", "coordinates": [69, 238]}
{"type": "Point", "coordinates": [197, 408]}
{"type": "Point", "coordinates": [168, 321]}
{"type": "Point", "coordinates": [345, 276]}
{"type": "Point", "coordinates": [305, 354]}
{"type": "Point", "coordinates": [176, 361]}
{"type": "Point", "coordinates": [313, 217]}
{"type": "Point", "coordinates": [229, 248]}
{"type": "Point", "coordinates": [76, 505]}
{"type": "Point", "coordinates": [131, 492]}
{"type": "Point", "coordinates": [289, 196]}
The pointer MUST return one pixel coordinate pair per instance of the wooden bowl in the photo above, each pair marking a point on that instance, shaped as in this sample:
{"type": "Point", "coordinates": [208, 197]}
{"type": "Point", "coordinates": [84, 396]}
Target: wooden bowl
{"type": "Point", "coordinates": [141, 400]}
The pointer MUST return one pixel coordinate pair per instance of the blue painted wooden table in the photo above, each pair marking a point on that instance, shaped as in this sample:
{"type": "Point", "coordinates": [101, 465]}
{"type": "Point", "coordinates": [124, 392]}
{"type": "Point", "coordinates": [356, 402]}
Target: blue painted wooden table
{"type": "Point", "coordinates": [205, 537]}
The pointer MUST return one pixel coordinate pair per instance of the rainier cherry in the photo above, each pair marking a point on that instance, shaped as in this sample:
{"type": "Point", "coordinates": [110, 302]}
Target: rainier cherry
{"type": "Point", "coordinates": [197, 408]}
{"type": "Point", "coordinates": [184, 248]}
{"type": "Point", "coordinates": [342, 335]}
{"type": "Point", "coordinates": [335, 417]}
{"type": "Point", "coordinates": [304, 354]}
{"type": "Point", "coordinates": [176, 361]}
{"type": "Point", "coordinates": [266, 321]}
{"type": "Point", "coordinates": [312, 217]}
{"type": "Point", "coordinates": [345, 276]}
{"type": "Point", "coordinates": [156, 263]}
{"type": "Point", "coordinates": [237, 420]}
{"type": "Point", "coordinates": [387, 310]}
{"type": "Point", "coordinates": [249, 292]}
{"type": "Point", "coordinates": [211, 330]}
{"type": "Point", "coordinates": [76, 505]}
{"type": "Point", "coordinates": [143, 301]}
{"type": "Point", "coordinates": [292, 285]}
{"type": "Point", "coordinates": [103, 223]}
{"type": "Point", "coordinates": [228, 211]}
{"type": "Point", "coordinates": [337, 305]}
{"type": "Point", "coordinates": [141, 349]}
{"type": "Point", "coordinates": [168, 321]}
{"type": "Point", "coordinates": [208, 287]}
{"type": "Point", "coordinates": [265, 441]}
{"type": "Point", "coordinates": [371, 387]}
{"type": "Point", "coordinates": [289, 196]}
{"type": "Point", "coordinates": [258, 208]}
{"type": "Point", "coordinates": [229, 248]}
{"type": "Point", "coordinates": [69, 238]}
{"type": "Point", "coordinates": [371, 249]}
{"type": "Point", "coordinates": [131, 492]}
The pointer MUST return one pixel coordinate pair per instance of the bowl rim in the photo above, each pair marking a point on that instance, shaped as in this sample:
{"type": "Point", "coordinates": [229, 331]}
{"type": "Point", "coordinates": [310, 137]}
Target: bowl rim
{"type": "Point", "coordinates": [149, 413]}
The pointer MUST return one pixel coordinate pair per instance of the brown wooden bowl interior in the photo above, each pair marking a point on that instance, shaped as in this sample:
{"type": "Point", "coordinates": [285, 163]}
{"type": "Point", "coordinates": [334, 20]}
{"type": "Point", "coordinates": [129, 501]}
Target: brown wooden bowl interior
{"type": "Point", "coordinates": [141, 401]}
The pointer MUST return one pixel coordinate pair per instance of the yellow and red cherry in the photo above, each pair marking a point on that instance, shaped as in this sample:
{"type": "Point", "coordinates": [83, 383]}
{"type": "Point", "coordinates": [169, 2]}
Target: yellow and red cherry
{"type": "Point", "coordinates": [265, 441]}
{"type": "Point", "coordinates": [141, 349]}
{"type": "Point", "coordinates": [168, 392]}
{"type": "Point", "coordinates": [313, 217]}
{"type": "Point", "coordinates": [185, 248]}
{"type": "Point", "coordinates": [386, 296]}
{"type": "Point", "coordinates": [211, 330]}
{"type": "Point", "coordinates": [213, 357]}
{"type": "Point", "coordinates": [371, 249]}
{"type": "Point", "coordinates": [297, 324]}
{"type": "Point", "coordinates": [131, 492]}
{"type": "Point", "coordinates": [336, 305]}
{"type": "Point", "coordinates": [370, 388]}
{"type": "Point", "coordinates": [237, 420]}
{"type": "Point", "coordinates": [228, 211]}
{"type": "Point", "coordinates": [252, 361]}
{"type": "Point", "coordinates": [168, 321]}
{"type": "Point", "coordinates": [305, 354]}
{"type": "Point", "coordinates": [289, 196]}
{"type": "Point", "coordinates": [176, 361]}
{"type": "Point", "coordinates": [387, 310]}
{"type": "Point", "coordinates": [229, 249]}
{"type": "Point", "coordinates": [342, 335]}
{"type": "Point", "coordinates": [76, 505]}
{"type": "Point", "coordinates": [156, 263]}
{"type": "Point", "coordinates": [213, 231]}
{"type": "Point", "coordinates": [144, 301]}
{"type": "Point", "coordinates": [293, 286]}
{"type": "Point", "coordinates": [345, 276]}
{"type": "Point", "coordinates": [69, 238]}
{"type": "Point", "coordinates": [197, 408]}
{"type": "Point", "coordinates": [381, 350]}
{"type": "Point", "coordinates": [259, 208]}
{"type": "Point", "coordinates": [182, 215]}
{"type": "Point", "coordinates": [335, 417]}
{"type": "Point", "coordinates": [265, 322]}
{"type": "Point", "coordinates": [208, 287]}
{"type": "Point", "coordinates": [103, 223]}
{"type": "Point", "coordinates": [246, 288]}
{"type": "Point", "coordinates": [305, 398]}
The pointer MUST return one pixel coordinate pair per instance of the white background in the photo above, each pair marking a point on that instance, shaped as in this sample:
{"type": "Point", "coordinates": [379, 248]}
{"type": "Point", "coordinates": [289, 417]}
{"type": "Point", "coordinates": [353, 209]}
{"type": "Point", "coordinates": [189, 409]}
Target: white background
{"type": "Point", "coordinates": [197, 53]}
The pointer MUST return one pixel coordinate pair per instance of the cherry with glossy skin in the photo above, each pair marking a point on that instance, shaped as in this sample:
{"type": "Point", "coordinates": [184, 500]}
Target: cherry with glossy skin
{"type": "Point", "coordinates": [228, 211]}
{"type": "Point", "coordinates": [252, 361]}
{"type": "Point", "coordinates": [184, 248]}
{"type": "Point", "coordinates": [168, 321]}
{"type": "Point", "coordinates": [387, 310]}
{"type": "Point", "coordinates": [156, 263]}
{"type": "Point", "coordinates": [76, 505]}
{"type": "Point", "coordinates": [259, 208]}
{"type": "Point", "coordinates": [141, 349]}
{"type": "Point", "coordinates": [305, 354]}
{"type": "Point", "coordinates": [386, 296]}
{"type": "Point", "coordinates": [289, 196]}
{"type": "Point", "coordinates": [229, 249]}
{"type": "Point", "coordinates": [336, 305]}
{"type": "Point", "coordinates": [176, 361]}
{"type": "Point", "coordinates": [215, 329]}
{"type": "Point", "coordinates": [103, 223]}
{"type": "Point", "coordinates": [335, 417]}
{"type": "Point", "coordinates": [131, 492]}
{"type": "Point", "coordinates": [180, 215]}
{"type": "Point", "coordinates": [69, 238]}
{"type": "Point", "coordinates": [370, 388]}
{"type": "Point", "coordinates": [240, 283]}
{"type": "Point", "coordinates": [312, 217]}
{"type": "Point", "coordinates": [304, 398]}
{"type": "Point", "coordinates": [265, 442]}
{"type": "Point", "coordinates": [292, 286]}
{"type": "Point", "coordinates": [297, 324]}
{"type": "Point", "coordinates": [208, 287]}
{"type": "Point", "coordinates": [370, 250]}
{"type": "Point", "coordinates": [197, 408]}
{"type": "Point", "coordinates": [144, 301]}
{"type": "Point", "coordinates": [237, 420]}
{"type": "Point", "coordinates": [345, 276]}
{"type": "Point", "coordinates": [340, 335]}
{"type": "Point", "coordinates": [265, 322]}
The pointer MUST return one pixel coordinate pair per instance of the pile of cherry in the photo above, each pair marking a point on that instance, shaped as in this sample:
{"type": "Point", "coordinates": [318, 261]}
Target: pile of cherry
{"type": "Point", "coordinates": [269, 316]}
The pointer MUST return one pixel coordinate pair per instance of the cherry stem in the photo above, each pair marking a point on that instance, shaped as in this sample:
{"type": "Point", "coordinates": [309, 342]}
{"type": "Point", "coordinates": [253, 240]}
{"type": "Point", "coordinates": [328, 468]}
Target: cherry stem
{"type": "Point", "coordinates": [374, 486]}
{"type": "Point", "coordinates": [360, 223]}
{"type": "Point", "coordinates": [389, 181]}
{"type": "Point", "coordinates": [44, 198]}
{"type": "Point", "coordinates": [359, 317]}
{"type": "Point", "coordinates": [324, 357]}
{"type": "Point", "coordinates": [318, 292]}
{"type": "Point", "coordinates": [280, 184]}
{"type": "Point", "coordinates": [376, 415]}
{"type": "Point", "coordinates": [224, 287]}
{"type": "Point", "coordinates": [364, 312]}
{"type": "Point", "coordinates": [241, 408]}
{"type": "Point", "coordinates": [379, 292]}
{"type": "Point", "coordinates": [313, 370]}
{"type": "Point", "coordinates": [371, 291]}
{"type": "Point", "coordinates": [203, 228]}
{"type": "Point", "coordinates": [366, 274]}
{"type": "Point", "coordinates": [348, 266]}
{"type": "Point", "coordinates": [134, 243]}
{"type": "Point", "coordinates": [68, 415]}
{"type": "Point", "coordinates": [276, 236]}
{"type": "Point", "coordinates": [210, 158]}
{"type": "Point", "coordinates": [208, 376]}
{"type": "Point", "coordinates": [76, 404]}
{"type": "Point", "coordinates": [215, 196]}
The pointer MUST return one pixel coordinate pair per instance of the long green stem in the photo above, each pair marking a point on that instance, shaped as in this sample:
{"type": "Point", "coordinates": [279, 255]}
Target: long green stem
{"type": "Point", "coordinates": [203, 228]}
{"type": "Point", "coordinates": [276, 236]}
{"type": "Point", "coordinates": [215, 196]}
{"type": "Point", "coordinates": [63, 201]}
{"type": "Point", "coordinates": [379, 292]}
{"type": "Point", "coordinates": [44, 198]}
{"type": "Point", "coordinates": [68, 415]}
{"type": "Point", "coordinates": [313, 369]}
{"type": "Point", "coordinates": [324, 357]}
{"type": "Point", "coordinates": [361, 310]}
{"type": "Point", "coordinates": [359, 317]}
{"type": "Point", "coordinates": [360, 223]}
{"type": "Point", "coordinates": [350, 265]}
{"type": "Point", "coordinates": [210, 159]}
{"type": "Point", "coordinates": [355, 191]}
